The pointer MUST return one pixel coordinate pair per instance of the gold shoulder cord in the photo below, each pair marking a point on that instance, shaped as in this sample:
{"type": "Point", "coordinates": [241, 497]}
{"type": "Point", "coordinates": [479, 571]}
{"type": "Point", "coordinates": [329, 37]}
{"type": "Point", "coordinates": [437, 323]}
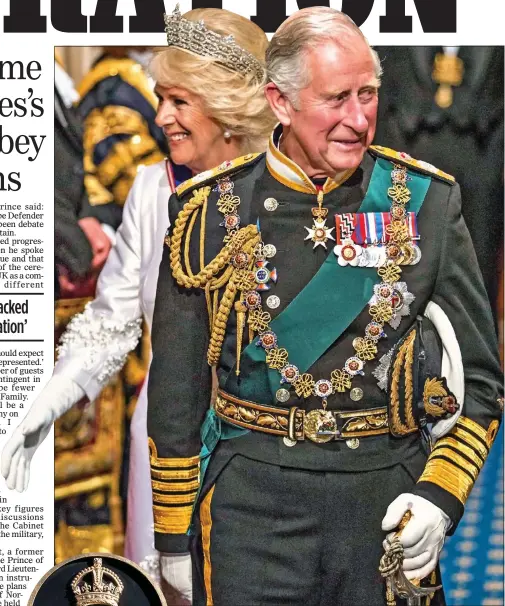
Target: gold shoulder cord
{"type": "Point", "coordinates": [217, 273]}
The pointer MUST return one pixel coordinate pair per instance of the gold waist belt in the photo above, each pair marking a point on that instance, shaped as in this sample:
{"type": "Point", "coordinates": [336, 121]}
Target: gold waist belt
{"type": "Point", "coordinates": [295, 424]}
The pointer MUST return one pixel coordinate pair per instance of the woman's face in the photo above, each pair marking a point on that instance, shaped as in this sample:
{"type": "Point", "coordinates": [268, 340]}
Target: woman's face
{"type": "Point", "coordinates": [194, 139]}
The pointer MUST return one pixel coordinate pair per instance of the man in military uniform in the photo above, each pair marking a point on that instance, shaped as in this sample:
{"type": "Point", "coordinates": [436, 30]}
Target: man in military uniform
{"type": "Point", "coordinates": [81, 245]}
{"type": "Point", "coordinates": [290, 297]}
{"type": "Point", "coordinates": [118, 107]}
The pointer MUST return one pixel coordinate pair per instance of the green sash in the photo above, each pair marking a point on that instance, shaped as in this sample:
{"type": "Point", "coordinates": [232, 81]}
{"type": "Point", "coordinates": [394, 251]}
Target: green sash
{"type": "Point", "coordinates": [299, 327]}
{"type": "Point", "coordinates": [330, 302]}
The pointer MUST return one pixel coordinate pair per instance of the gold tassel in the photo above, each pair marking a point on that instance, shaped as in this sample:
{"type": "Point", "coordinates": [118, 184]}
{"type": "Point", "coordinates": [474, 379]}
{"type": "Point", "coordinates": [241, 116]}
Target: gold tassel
{"type": "Point", "coordinates": [240, 310]}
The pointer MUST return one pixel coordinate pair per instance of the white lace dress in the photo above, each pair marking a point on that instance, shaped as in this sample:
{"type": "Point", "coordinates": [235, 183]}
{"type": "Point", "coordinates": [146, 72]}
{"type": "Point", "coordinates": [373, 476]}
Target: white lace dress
{"type": "Point", "coordinates": [97, 341]}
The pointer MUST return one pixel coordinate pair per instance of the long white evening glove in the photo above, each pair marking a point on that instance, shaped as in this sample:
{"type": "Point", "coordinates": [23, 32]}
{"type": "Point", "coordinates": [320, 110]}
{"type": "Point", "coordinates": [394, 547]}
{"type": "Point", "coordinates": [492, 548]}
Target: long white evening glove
{"type": "Point", "coordinates": [423, 536]}
{"type": "Point", "coordinates": [176, 570]}
{"type": "Point", "coordinates": [60, 394]}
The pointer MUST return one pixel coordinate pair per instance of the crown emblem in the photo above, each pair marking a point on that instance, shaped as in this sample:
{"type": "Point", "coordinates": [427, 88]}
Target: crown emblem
{"type": "Point", "coordinates": [99, 592]}
{"type": "Point", "coordinates": [195, 38]}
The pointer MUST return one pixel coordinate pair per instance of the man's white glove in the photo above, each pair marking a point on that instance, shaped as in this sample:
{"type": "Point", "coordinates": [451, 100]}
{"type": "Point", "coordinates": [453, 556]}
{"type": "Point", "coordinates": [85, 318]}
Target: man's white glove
{"type": "Point", "coordinates": [176, 570]}
{"type": "Point", "coordinates": [60, 394]}
{"type": "Point", "coordinates": [423, 536]}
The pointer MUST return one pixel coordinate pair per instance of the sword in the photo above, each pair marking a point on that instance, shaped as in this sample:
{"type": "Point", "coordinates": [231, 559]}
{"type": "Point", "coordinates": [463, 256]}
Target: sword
{"type": "Point", "coordinates": [397, 583]}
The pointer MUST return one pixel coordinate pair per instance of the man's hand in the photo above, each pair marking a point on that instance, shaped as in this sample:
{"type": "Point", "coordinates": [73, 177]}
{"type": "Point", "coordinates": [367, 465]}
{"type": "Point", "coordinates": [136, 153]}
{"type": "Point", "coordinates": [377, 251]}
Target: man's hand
{"type": "Point", "coordinates": [100, 242]}
{"type": "Point", "coordinates": [176, 571]}
{"type": "Point", "coordinates": [56, 398]}
{"type": "Point", "coordinates": [423, 536]}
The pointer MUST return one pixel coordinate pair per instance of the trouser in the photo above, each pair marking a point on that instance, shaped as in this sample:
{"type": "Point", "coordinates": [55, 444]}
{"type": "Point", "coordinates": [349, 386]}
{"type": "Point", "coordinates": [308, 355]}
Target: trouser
{"type": "Point", "coordinates": [272, 536]}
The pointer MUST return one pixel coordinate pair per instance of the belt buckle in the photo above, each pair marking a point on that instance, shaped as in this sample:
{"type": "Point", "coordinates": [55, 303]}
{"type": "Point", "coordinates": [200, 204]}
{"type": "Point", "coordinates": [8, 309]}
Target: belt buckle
{"type": "Point", "coordinates": [320, 426]}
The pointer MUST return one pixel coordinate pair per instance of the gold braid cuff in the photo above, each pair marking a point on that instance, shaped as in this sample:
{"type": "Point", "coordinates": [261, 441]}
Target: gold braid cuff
{"type": "Point", "coordinates": [175, 483]}
{"type": "Point", "coordinates": [457, 458]}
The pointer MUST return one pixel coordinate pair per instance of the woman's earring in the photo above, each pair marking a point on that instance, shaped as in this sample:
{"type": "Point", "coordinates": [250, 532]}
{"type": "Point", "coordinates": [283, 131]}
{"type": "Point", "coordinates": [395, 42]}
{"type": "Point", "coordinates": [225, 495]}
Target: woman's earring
{"type": "Point", "coordinates": [227, 134]}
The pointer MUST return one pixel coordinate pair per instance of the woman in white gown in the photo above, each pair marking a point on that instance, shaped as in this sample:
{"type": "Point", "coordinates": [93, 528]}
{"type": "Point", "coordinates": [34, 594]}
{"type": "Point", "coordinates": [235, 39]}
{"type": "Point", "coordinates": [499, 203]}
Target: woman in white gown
{"type": "Point", "coordinates": [211, 111]}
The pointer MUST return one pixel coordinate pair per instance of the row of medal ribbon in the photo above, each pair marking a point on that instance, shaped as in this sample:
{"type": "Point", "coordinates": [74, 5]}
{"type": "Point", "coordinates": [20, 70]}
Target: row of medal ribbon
{"type": "Point", "coordinates": [361, 239]}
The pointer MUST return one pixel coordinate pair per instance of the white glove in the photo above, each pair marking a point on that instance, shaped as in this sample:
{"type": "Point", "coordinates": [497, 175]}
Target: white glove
{"type": "Point", "coordinates": [423, 536]}
{"type": "Point", "coordinates": [176, 570]}
{"type": "Point", "coordinates": [60, 394]}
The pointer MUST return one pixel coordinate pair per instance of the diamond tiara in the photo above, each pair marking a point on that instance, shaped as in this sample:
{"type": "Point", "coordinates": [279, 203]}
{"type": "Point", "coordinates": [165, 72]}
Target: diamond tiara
{"type": "Point", "coordinates": [194, 37]}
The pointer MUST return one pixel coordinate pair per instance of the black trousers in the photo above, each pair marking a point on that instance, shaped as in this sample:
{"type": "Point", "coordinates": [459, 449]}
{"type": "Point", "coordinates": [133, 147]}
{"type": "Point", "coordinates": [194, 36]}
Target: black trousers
{"type": "Point", "coordinates": [272, 536]}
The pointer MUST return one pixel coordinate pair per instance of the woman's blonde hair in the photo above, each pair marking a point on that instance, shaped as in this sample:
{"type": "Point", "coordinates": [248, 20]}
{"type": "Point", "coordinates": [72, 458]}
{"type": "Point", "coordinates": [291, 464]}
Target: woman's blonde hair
{"type": "Point", "coordinates": [235, 101]}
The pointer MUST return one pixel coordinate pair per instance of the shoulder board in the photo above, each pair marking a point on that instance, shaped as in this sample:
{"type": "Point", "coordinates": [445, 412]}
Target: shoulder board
{"type": "Point", "coordinates": [128, 70]}
{"type": "Point", "coordinates": [406, 160]}
{"type": "Point", "coordinates": [227, 168]}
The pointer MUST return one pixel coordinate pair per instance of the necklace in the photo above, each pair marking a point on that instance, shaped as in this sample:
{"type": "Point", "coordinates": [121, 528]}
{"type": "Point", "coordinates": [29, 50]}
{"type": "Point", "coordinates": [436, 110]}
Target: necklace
{"type": "Point", "coordinates": [384, 307]}
{"type": "Point", "coordinates": [319, 233]}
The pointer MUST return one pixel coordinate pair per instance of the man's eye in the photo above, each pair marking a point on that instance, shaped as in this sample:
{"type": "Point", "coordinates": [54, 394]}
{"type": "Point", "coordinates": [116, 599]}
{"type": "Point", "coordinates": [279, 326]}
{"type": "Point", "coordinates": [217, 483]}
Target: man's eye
{"type": "Point", "coordinates": [339, 98]}
{"type": "Point", "coordinates": [367, 95]}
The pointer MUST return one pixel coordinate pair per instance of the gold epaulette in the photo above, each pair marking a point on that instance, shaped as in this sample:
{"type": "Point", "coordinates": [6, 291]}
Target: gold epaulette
{"type": "Point", "coordinates": [406, 160]}
{"type": "Point", "coordinates": [226, 168]}
{"type": "Point", "coordinates": [130, 71]}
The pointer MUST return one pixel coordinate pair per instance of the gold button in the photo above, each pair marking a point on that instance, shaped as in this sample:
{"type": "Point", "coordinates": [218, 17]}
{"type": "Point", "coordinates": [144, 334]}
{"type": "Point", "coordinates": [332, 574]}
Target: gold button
{"type": "Point", "coordinates": [356, 394]}
{"type": "Point", "coordinates": [353, 443]}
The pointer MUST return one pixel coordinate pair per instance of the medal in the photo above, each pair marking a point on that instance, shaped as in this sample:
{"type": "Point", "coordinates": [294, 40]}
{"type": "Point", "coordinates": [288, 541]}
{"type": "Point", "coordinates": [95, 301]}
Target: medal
{"type": "Point", "coordinates": [385, 245]}
{"type": "Point", "coordinates": [263, 275]}
{"type": "Point", "coordinates": [319, 233]}
{"type": "Point", "coordinates": [348, 253]}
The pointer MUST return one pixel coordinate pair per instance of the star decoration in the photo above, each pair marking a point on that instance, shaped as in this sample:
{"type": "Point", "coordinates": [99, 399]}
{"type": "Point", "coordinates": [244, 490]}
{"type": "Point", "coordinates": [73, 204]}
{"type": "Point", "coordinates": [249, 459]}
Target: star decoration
{"type": "Point", "coordinates": [381, 372]}
{"type": "Point", "coordinates": [319, 233]}
{"type": "Point", "coordinates": [400, 302]}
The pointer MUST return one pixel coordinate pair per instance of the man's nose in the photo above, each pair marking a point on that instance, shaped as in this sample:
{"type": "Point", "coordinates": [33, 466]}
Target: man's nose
{"type": "Point", "coordinates": [356, 117]}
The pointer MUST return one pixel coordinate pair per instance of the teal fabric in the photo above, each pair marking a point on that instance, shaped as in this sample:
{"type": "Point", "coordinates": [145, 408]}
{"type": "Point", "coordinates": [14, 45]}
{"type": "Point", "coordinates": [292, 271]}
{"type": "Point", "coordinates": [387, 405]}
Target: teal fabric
{"type": "Point", "coordinates": [213, 430]}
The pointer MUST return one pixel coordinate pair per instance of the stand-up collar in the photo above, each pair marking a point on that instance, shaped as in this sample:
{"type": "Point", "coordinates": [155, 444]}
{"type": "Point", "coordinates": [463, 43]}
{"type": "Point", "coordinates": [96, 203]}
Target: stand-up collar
{"type": "Point", "coordinates": [291, 175]}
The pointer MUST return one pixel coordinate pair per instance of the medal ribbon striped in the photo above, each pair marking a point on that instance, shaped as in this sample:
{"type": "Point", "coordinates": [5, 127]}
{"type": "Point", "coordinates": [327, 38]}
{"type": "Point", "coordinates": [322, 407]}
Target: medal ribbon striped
{"type": "Point", "coordinates": [370, 228]}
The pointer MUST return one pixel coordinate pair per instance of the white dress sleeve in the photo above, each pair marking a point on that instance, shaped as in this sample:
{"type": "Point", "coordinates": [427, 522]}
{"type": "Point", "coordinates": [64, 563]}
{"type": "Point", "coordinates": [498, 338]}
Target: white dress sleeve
{"type": "Point", "coordinates": [96, 342]}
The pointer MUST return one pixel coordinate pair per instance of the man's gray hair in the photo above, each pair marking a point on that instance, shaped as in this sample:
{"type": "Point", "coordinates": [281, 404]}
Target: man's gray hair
{"type": "Point", "coordinates": [307, 29]}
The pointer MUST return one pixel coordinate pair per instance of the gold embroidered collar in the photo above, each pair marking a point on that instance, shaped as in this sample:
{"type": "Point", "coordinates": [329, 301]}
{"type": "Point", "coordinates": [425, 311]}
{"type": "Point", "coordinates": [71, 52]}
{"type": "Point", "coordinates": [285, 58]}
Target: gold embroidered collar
{"type": "Point", "coordinates": [291, 175]}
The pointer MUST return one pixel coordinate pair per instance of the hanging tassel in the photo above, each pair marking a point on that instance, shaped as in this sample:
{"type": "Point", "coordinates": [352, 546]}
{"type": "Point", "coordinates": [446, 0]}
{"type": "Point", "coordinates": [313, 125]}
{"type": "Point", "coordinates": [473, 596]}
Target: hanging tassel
{"type": "Point", "coordinates": [240, 310]}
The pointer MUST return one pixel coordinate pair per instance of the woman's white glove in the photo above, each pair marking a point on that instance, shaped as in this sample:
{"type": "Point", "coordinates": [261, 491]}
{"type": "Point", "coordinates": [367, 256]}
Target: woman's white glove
{"type": "Point", "coordinates": [423, 536]}
{"type": "Point", "coordinates": [176, 570]}
{"type": "Point", "coordinates": [60, 394]}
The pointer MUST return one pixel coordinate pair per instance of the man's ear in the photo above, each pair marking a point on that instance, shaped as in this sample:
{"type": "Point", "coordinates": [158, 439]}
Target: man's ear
{"type": "Point", "coordinates": [279, 103]}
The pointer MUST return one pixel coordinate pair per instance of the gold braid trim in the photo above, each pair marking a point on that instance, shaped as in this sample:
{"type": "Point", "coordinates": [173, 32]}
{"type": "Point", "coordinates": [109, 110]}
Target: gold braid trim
{"type": "Point", "coordinates": [172, 520]}
{"type": "Point", "coordinates": [458, 445]}
{"type": "Point", "coordinates": [455, 473]}
{"type": "Point", "coordinates": [172, 462]}
{"type": "Point", "coordinates": [127, 69]}
{"type": "Point", "coordinates": [225, 307]}
{"type": "Point", "coordinates": [220, 321]}
{"type": "Point", "coordinates": [493, 428]}
{"type": "Point", "coordinates": [409, 388]}
{"type": "Point", "coordinates": [478, 430]}
{"type": "Point", "coordinates": [175, 486]}
{"type": "Point", "coordinates": [449, 477]}
{"type": "Point", "coordinates": [405, 355]}
{"type": "Point", "coordinates": [208, 277]}
{"type": "Point", "coordinates": [213, 268]}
